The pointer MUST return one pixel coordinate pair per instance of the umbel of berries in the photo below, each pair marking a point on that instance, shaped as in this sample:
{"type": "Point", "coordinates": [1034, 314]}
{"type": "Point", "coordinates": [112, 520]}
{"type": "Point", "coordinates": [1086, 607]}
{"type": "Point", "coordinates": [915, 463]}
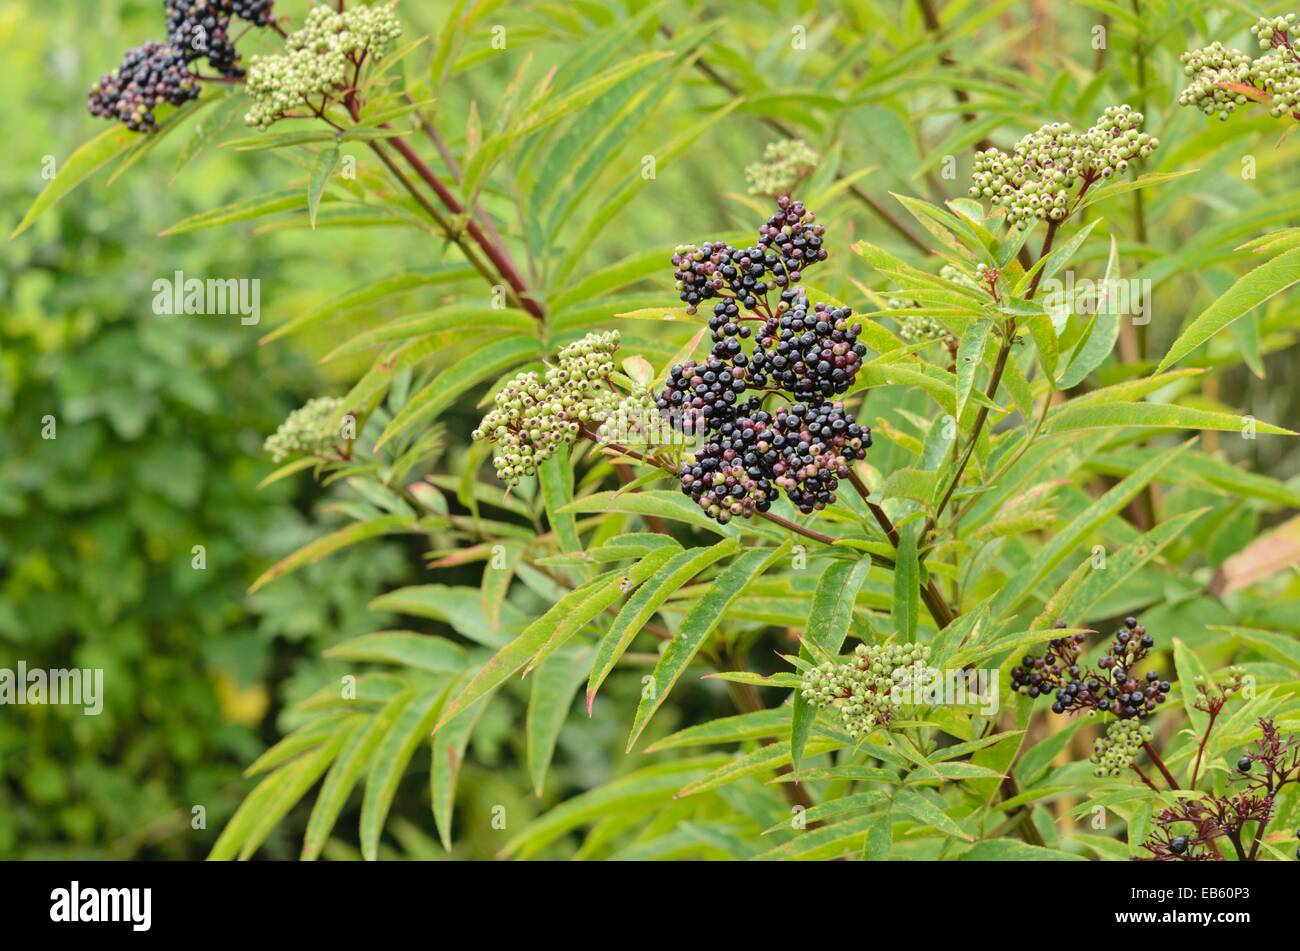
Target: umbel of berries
{"type": "Point", "coordinates": [1112, 688]}
{"type": "Point", "coordinates": [803, 355]}
{"type": "Point", "coordinates": [867, 688]}
{"type": "Point", "coordinates": [785, 164]}
{"type": "Point", "coordinates": [1222, 77]}
{"type": "Point", "coordinates": [308, 431]}
{"type": "Point", "coordinates": [320, 60]}
{"type": "Point", "coordinates": [797, 241]}
{"type": "Point", "coordinates": [149, 75]}
{"type": "Point", "coordinates": [201, 29]}
{"type": "Point", "coordinates": [809, 351]}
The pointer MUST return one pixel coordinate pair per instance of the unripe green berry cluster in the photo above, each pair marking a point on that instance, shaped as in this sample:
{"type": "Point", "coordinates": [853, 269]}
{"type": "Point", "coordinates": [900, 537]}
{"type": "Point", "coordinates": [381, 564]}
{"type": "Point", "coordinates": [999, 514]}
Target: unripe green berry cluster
{"type": "Point", "coordinates": [1276, 74]}
{"type": "Point", "coordinates": [319, 60]}
{"type": "Point", "coordinates": [1119, 748]}
{"type": "Point", "coordinates": [785, 164]}
{"type": "Point", "coordinates": [535, 413]}
{"type": "Point", "coordinates": [919, 327]}
{"type": "Point", "coordinates": [307, 431]}
{"type": "Point", "coordinates": [861, 688]}
{"type": "Point", "coordinates": [633, 421]}
{"type": "Point", "coordinates": [1036, 179]}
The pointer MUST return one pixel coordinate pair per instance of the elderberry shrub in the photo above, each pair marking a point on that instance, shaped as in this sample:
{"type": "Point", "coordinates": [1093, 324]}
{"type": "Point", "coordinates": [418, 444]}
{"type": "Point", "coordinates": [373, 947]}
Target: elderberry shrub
{"type": "Point", "coordinates": [148, 76]}
{"type": "Point", "coordinates": [1112, 688]}
{"type": "Point", "coordinates": [804, 352]}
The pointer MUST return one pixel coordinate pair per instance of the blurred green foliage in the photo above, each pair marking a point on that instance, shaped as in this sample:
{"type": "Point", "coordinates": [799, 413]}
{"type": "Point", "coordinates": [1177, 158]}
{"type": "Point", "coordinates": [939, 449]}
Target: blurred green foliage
{"type": "Point", "coordinates": [158, 426]}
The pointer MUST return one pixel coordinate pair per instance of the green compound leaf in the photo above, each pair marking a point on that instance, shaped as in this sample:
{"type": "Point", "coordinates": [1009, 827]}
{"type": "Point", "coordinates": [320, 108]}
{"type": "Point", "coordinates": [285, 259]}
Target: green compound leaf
{"type": "Point", "coordinates": [970, 353]}
{"type": "Point", "coordinates": [637, 611]}
{"type": "Point", "coordinates": [698, 624]}
{"type": "Point", "coordinates": [554, 684]}
{"type": "Point", "coordinates": [346, 772]}
{"type": "Point", "coordinates": [410, 728]}
{"type": "Point", "coordinates": [407, 648]}
{"type": "Point", "coordinates": [321, 170]}
{"type": "Point", "coordinates": [247, 209]}
{"type": "Point", "coordinates": [80, 165]}
{"type": "Point", "coordinates": [1073, 416]}
{"type": "Point", "coordinates": [1248, 293]}
{"type": "Point", "coordinates": [1079, 530]}
{"type": "Point", "coordinates": [348, 535]}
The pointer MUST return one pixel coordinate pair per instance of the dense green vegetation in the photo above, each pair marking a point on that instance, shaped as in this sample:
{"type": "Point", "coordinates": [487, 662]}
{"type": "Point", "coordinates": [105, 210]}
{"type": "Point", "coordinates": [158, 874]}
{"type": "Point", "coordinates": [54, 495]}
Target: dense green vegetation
{"type": "Point", "coordinates": [401, 646]}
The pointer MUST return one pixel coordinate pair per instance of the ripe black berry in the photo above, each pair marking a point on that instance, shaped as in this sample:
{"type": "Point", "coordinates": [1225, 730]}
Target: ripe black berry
{"type": "Point", "coordinates": [1178, 845]}
{"type": "Point", "coordinates": [1244, 764]}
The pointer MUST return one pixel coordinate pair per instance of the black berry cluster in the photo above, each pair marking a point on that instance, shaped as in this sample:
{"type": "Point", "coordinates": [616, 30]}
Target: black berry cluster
{"type": "Point", "coordinates": [1112, 688]}
{"type": "Point", "coordinates": [702, 397]}
{"type": "Point", "coordinates": [809, 353]}
{"type": "Point", "coordinates": [157, 73]}
{"type": "Point", "coordinates": [795, 238]}
{"type": "Point", "coordinates": [816, 443]}
{"type": "Point", "coordinates": [256, 12]}
{"type": "Point", "coordinates": [149, 75]}
{"type": "Point", "coordinates": [703, 271]}
{"type": "Point", "coordinates": [726, 477]}
{"type": "Point", "coordinates": [201, 29]}
{"type": "Point", "coordinates": [805, 352]}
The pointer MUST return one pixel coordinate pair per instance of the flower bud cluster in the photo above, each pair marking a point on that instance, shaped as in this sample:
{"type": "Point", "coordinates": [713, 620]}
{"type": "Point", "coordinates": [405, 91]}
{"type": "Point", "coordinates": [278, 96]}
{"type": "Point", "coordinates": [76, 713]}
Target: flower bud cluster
{"type": "Point", "coordinates": [785, 164]}
{"type": "Point", "coordinates": [1215, 69]}
{"type": "Point", "coordinates": [307, 431]}
{"type": "Point", "coordinates": [319, 60]}
{"type": "Point", "coordinates": [1119, 748]}
{"type": "Point", "coordinates": [862, 688]}
{"type": "Point", "coordinates": [535, 414]}
{"type": "Point", "coordinates": [1036, 180]}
